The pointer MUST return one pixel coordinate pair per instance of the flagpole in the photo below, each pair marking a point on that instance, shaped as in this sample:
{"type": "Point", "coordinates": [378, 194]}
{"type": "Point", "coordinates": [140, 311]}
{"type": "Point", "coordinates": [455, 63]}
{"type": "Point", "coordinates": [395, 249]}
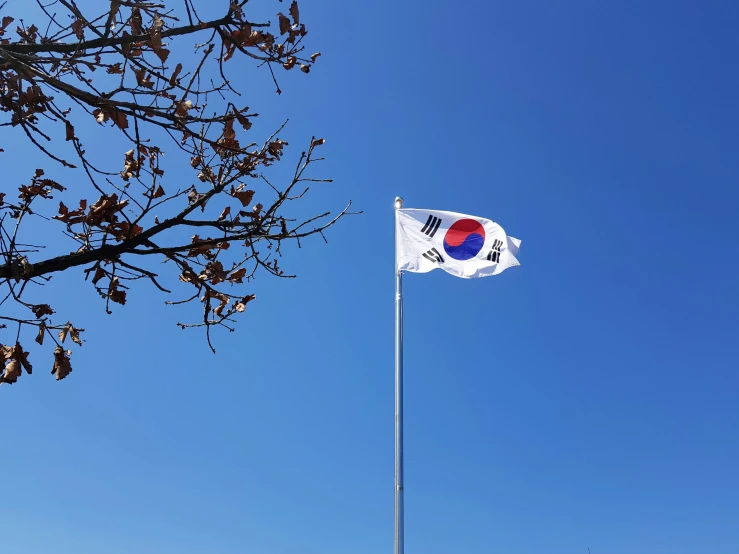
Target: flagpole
{"type": "Point", "coordinates": [399, 539]}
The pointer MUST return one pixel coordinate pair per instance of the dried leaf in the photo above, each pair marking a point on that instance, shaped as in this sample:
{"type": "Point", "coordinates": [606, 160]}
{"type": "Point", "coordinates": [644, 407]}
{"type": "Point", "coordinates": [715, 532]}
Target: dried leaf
{"type": "Point", "coordinates": [295, 13]}
{"type": "Point", "coordinates": [135, 21]}
{"type": "Point", "coordinates": [22, 357]}
{"type": "Point", "coordinates": [77, 27]}
{"type": "Point", "coordinates": [18, 358]}
{"type": "Point", "coordinates": [237, 275]}
{"type": "Point", "coordinates": [304, 68]}
{"type": "Point", "coordinates": [40, 310]}
{"type": "Point", "coordinates": [284, 24]}
{"type": "Point", "coordinates": [183, 108]}
{"type": "Point", "coordinates": [99, 274]}
{"type": "Point", "coordinates": [115, 69]}
{"type": "Point", "coordinates": [41, 333]}
{"type": "Point", "coordinates": [118, 296]}
{"type": "Point", "coordinates": [121, 120]}
{"type": "Point", "coordinates": [61, 367]}
{"type": "Point", "coordinates": [224, 213]}
{"type": "Point", "coordinates": [275, 147]}
{"type": "Point", "coordinates": [222, 298]}
{"type": "Point", "coordinates": [240, 306]}
{"type": "Point", "coordinates": [7, 20]}
{"type": "Point", "coordinates": [70, 130]}
{"type": "Point", "coordinates": [158, 193]}
{"type": "Point", "coordinates": [143, 78]}
{"type": "Point", "coordinates": [244, 121]}
{"type": "Point", "coordinates": [75, 334]}
{"type": "Point", "coordinates": [162, 53]}
{"type": "Point", "coordinates": [244, 196]}
{"type": "Point", "coordinates": [100, 116]}
{"type": "Point", "coordinates": [12, 372]}
{"type": "Point", "coordinates": [173, 78]}
{"type": "Point", "coordinates": [127, 230]}
{"type": "Point", "coordinates": [114, 7]}
{"type": "Point", "coordinates": [314, 56]}
{"type": "Point", "coordinates": [63, 333]}
{"type": "Point", "coordinates": [318, 142]}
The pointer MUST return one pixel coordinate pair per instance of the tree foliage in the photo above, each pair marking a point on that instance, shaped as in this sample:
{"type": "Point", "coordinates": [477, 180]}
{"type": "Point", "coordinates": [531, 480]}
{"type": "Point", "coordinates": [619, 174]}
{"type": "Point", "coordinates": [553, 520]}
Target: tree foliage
{"type": "Point", "coordinates": [115, 69]}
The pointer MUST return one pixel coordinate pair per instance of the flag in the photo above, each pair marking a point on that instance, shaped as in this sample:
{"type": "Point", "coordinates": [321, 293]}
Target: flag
{"type": "Point", "coordinates": [463, 245]}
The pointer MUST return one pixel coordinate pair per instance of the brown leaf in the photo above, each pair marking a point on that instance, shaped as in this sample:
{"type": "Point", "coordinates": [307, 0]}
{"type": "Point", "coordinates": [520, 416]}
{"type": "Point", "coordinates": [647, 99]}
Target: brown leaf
{"type": "Point", "coordinates": [22, 357]}
{"type": "Point", "coordinates": [115, 69]}
{"type": "Point", "coordinates": [237, 275]}
{"type": "Point", "coordinates": [304, 68]}
{"type": "Point", "coordinates": [158, 193]}
{"type": "Point", "coordinates": [135, 21]}
{"type": "Point", "coordinates": [127, 230]}
{"type": "Point", "coordinates": [244, 196]}
{"type": "Point", "coordinates": [295, 13]}
{"type": "Point", "coordinates": [118, 296]}
{"type": "Point", "coordinates": [240, 306]}
{"type": "Point", "coordinates": [318, 142]}
{"type": "Point", "coordinates": [244, 121]}
{"type": "Point", "coordinates": [314, 56]}
{"type": "Point", "coordinates": [275, 147]}
{"type": "Point", "coordinates": [162, 53]}
{"type": "Point", "coordinates": [7, 20]}
{"type": "Point", "coordinates": [12, 372]}
{"type": "Point", "coordinates": [183, 108]}
{"type": "Point", "coordinates": [173, 78]}
{"type": "Point", "coordinates": [99, 274]}
{"type": "Point", "coordinates": [75, 334]}
{"type": "Point", "coordinates": [40, 310]}
{"type": "Point", "coordinates": [224, 213]}
{"type": "Point", "coordinates": [114, 7]}
{"type": "Point", "coordinates": [284, 24]}
{"type": "Point", "coordinates": [18, 358]}
{"type": "Point", "coordinates": [121, 120]}
{"type": "Point", "coordinates": [77, 27]}
{"type": "Point", "coordinates": [61, 367]}
{"type": "Point", "coordinates": [228, 130]}
{"type": "Point", "coordinates": [221, 297]}
{"type": "Point", "coordinates": [291, 61]}
{"type": "Point", "coordinates": [70, 130]}
{"type": "Point", "coordinates": [143, 78]}
{"type": "Point", "coordinates": [63, 333]}
{"type": "Point", "coordinates": [100, 116]}
{"type": "Point", "coordinates": [41, 333]}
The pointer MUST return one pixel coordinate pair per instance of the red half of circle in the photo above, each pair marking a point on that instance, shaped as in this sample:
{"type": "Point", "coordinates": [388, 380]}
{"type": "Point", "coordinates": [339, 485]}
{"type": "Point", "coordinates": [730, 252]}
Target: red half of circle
{"type": "Point", "coordinates": [461, 229]}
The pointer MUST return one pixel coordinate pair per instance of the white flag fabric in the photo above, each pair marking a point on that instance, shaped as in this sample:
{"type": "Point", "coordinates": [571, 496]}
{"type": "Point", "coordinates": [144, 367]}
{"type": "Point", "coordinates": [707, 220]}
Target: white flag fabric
{"type": "Point", "coordinates": [463, 245]}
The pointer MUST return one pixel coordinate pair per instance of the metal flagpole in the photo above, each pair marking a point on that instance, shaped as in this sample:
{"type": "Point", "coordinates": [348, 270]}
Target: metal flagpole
{"type": "Point", "coordinates": [398, 393]}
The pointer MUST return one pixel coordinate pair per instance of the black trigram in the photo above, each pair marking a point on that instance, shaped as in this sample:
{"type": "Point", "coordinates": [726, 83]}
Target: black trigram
{"type": "Point", "coordinates": [433, 256]}
{"type": "Point", "coordinates": [494, 254]}
{"type": "Point", "coordinates": [432, 225]}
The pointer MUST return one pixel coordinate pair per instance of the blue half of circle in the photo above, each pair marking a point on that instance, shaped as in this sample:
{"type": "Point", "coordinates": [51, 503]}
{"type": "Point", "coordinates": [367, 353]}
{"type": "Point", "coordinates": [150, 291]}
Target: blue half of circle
{"type": "Point", "coordinates": [468, 249]}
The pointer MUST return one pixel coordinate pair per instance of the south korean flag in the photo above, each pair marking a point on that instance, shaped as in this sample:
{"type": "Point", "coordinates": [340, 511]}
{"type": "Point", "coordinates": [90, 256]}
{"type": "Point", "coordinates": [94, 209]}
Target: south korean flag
{"type": "Point", "coordinates": [463, 245]}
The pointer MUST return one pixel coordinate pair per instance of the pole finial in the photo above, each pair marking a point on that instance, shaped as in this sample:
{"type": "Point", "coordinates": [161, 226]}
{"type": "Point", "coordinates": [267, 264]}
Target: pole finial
{"type": "Point", "coordinates": [398, 202]}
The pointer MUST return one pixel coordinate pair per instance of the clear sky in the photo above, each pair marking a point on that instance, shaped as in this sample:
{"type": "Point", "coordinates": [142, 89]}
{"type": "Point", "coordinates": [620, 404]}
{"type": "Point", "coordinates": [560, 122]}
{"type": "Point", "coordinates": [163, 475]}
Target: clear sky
{"type": "Point", "coordinates": [588, 399]}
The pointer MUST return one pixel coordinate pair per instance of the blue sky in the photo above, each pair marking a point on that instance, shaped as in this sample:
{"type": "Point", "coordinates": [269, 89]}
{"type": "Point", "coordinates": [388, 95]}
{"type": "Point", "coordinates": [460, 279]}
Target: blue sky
{"type": "Point", "coordinates": [587, 399]}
